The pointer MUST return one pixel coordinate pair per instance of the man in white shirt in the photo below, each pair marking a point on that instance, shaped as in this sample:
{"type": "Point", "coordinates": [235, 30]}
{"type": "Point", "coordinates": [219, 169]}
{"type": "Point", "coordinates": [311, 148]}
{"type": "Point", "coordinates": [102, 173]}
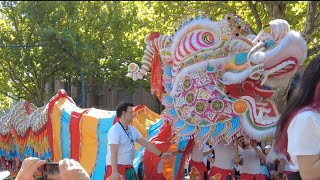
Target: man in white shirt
{"type": "Point", "coordinates": [223, 166]}
{"type": "Point", "coordinates": [198, 167]}
{"type": "Point", "coordinates": [249, 159]}
{"type": "Point", "coordinates": [121, 150]}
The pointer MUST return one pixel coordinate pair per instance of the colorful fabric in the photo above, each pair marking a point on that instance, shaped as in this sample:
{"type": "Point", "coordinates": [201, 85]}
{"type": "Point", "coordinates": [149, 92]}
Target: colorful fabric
{"type": "Point", "coordinates": [65, 134]}
{"type": "Point", "coordinates": [60, 126]}
{"type": "Point", "coordinates": [104, 125]}
{"type": "Point", "coordinates": [245, 176]}
{"type": "Point", "coordinates": [180, 158]}
{"type": "Point", "coordinates": [144, 118]}
{"type": "Point", "coordinates": [75, 134]}
{"type": "Point", "coordinates": [167, 170]}
{"type": "Point", "coordinates": [151, 132]}
{"type": "Point", "coordinates": [198, 170]}
{"type": "Point", "coordinates": [6, 146]}
{"type": "Point", "coordinates": [125, 171]}
{"type": "Point", "coordinates": [156, 77]}
{"type": "Point", "coordinates": [61, 94]}
{"type": "Point", "coordinates": [63, 130]}
{"type": "Point", "coordinates": [161, 142]}
{"type": "Point", "coordinates": [56, 127]}
{"type": "Point", "coordinates": [89, 140]}
{"type": "Point", "coordinates": [221, 174]}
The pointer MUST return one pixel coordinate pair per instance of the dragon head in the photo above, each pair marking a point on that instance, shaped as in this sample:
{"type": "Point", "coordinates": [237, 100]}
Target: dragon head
{"type": "Point", "coordinates": [278, 52]}
{"type": "Point", "coordinates": [272, 62]}
{"type": "Point", "coordinates": [219, 77]}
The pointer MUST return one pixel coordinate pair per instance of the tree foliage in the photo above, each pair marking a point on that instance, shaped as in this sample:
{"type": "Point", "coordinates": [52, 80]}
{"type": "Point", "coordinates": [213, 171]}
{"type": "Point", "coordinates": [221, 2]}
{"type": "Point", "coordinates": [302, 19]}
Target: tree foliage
{"type": "Point", "coordinates": [41, 41]}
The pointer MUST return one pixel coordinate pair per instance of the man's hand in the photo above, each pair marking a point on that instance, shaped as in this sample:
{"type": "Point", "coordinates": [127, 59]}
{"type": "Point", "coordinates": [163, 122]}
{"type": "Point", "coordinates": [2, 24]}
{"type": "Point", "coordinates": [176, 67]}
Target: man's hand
{"type": "Point", "coordinates": [273, 174]}
{"type": "Point", "coordinates": [176, 152]}
{"type": "Point", "coordinates": [280, 176]}
{"type": "Point", "coordinates": [253, 143]}
{"type": "Point", "coordinates": [72, 170]}
{"type": "Point", "coordinates": [115, 175]}
{"type": "Point", "coordinates": [166, 155]}
{"type": "Point", "coordinates": [211, 160]}
{"type": "Point", "coordinates": [29, 166]}
{"type": "Point", "coordinates": [236, 141]}
{"type": "Point", "coordinates": [237, 160]}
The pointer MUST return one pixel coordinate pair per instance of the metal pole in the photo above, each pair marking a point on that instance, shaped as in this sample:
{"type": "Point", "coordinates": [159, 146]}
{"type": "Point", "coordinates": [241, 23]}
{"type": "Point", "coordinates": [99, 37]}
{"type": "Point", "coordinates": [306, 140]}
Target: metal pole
{"type": "Point", "coordinates": [82, 90]}
{"type": "Point", "coordinates": [18, 46]}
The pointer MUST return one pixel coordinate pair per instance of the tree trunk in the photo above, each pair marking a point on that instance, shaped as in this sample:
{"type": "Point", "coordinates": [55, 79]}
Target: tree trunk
{"type": "Point", "coordinates": [310, 20]}
{"type": "Point", "coordinates": [314, 50]}
{"type": "Point", "coordinates": [40, 98]}
{"type": "Point", "coordinates": [254, 10]}
{"type": "Point", "coordinates": [276, 8]}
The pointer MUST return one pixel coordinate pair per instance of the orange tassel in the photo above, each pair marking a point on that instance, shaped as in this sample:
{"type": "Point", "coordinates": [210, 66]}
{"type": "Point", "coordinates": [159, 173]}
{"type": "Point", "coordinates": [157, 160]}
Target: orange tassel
{"type": "Point", "coordinates": [156, 78]}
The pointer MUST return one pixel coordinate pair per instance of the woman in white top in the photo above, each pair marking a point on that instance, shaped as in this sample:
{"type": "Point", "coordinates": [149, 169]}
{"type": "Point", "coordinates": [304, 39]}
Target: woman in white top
{"type": "Point", "coordinates": [298, 131]}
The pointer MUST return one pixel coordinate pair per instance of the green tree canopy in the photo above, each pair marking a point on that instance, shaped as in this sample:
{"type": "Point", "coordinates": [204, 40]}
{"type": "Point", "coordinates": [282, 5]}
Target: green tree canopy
{"type": "Point", "coordinates": [42, 41]}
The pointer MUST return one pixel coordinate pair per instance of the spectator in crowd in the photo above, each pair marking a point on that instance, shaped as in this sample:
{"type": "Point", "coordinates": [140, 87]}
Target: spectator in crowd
{"type": "Point", "coordinates": [298, 131]}
{"type": "Point", "coordinates": [249, 158]}
{"type": "Point", "coordinates": [68, 168]}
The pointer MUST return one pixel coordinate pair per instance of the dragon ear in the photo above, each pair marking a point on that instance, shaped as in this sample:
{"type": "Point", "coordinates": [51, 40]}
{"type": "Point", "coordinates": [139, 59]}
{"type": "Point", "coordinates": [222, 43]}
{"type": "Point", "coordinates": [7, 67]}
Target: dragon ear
{"type": "Point", "coordinates": [267, 28]}
{"type": "Point", "coordinates": [155, 45]}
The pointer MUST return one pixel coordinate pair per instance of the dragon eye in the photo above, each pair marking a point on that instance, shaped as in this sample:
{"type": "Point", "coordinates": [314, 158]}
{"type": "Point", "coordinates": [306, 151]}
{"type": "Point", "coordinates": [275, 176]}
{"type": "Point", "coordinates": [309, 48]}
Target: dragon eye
{"type": "Point", "coordinates": [208, 38]}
